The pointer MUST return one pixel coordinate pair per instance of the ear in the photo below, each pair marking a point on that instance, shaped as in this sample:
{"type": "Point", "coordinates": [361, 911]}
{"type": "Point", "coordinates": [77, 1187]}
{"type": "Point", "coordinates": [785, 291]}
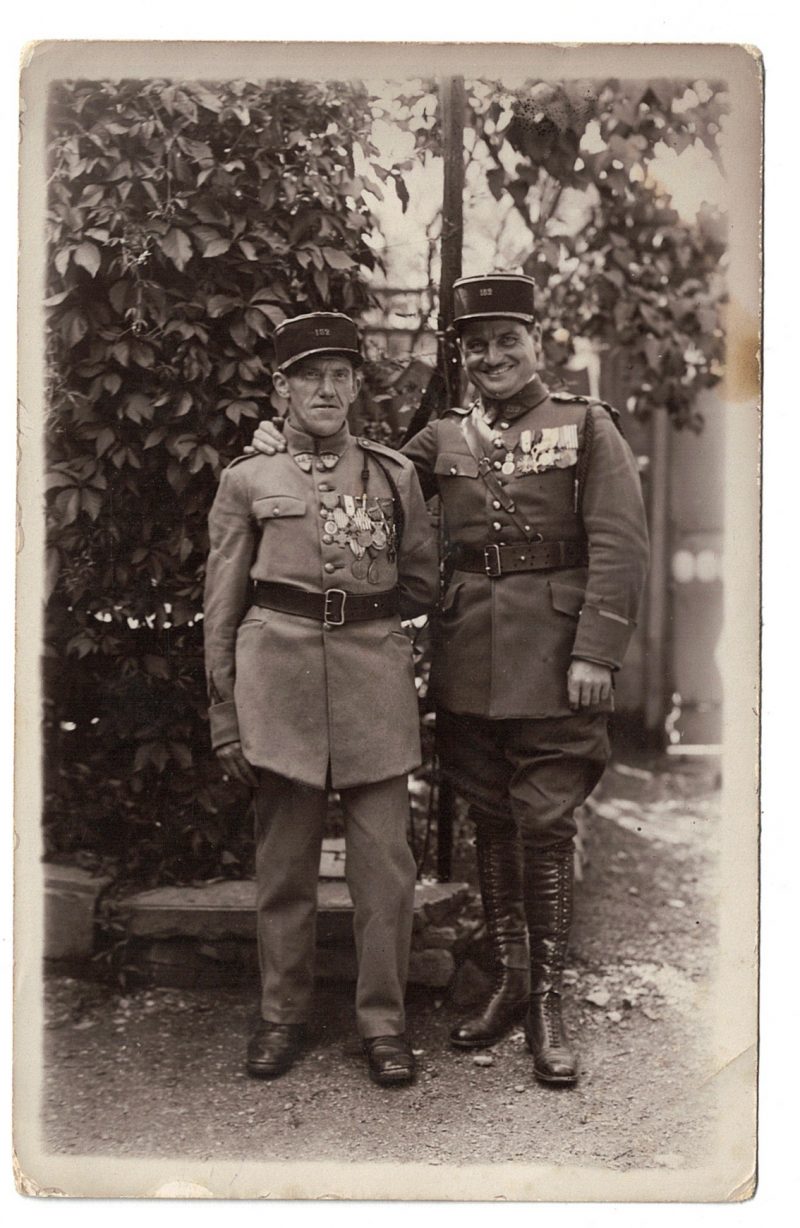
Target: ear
{"type": "Point", "coordinates": [281, 384]}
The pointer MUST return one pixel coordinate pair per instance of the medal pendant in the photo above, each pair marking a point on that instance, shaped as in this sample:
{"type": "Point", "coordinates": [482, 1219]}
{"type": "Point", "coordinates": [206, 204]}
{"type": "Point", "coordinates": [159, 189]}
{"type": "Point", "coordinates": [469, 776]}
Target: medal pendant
{"type": "Point", "coordinates": [330, 526]}
{"type": "Point", "coordinates": [360, 568]}
{"type": "Point", "coordinates": [356, 547]}
{"type": "Point", "coordinates": [508, 467]}
{"type": "Point", "coordinates": [373, 572]}
{"type": "Point", "coordinates": [378, 538]}
{"type": "Point", "coordinates": [329, 501]}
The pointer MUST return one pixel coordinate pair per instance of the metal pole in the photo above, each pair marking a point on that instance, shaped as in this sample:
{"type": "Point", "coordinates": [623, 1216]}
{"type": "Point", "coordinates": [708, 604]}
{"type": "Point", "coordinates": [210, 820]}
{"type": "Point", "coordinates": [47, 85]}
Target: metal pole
{"type": "Point", "coordinates": [451, 104]}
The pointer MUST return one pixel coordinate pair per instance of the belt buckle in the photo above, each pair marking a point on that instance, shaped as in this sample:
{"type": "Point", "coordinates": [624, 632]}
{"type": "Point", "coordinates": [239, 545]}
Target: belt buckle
{"type": "Point", "coordinates": [334, 619]}
{"type": "Point", "coordinates": [491, 561]}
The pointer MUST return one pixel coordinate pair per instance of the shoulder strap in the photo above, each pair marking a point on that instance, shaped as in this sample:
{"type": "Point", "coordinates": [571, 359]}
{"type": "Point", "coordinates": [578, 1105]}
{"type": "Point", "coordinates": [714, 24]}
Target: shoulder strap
{"type": "Point", "coordinates": [487, 476]}
{"type": "Point", "coordinates": [367, 448]}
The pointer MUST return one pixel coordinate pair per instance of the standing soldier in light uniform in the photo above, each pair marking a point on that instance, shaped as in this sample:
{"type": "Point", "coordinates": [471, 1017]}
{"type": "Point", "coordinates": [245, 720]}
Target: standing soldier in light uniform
{"type": "Point", "coordinates": [547, 554]}
{"type": "Point", "coordinates": [315, 555]}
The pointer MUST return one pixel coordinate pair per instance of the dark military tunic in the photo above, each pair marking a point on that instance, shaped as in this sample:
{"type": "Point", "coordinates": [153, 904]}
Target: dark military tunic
{"type": "Point", "coordinates": [505, 645]}
{"type": "Point", "coordinates": [306, 700]}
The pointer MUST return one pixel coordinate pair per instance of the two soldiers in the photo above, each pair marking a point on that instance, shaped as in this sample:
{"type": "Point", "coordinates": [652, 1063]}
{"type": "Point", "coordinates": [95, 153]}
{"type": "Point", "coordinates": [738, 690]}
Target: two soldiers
{"type": "Point", "coordinates": [316, 554]}
{"type": "Point", "coordinates": [547, 553]}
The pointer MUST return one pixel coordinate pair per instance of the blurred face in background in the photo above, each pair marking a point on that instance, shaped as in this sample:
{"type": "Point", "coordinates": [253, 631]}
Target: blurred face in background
{"type": "Point", "coordinates": [500, 355]}
{"type": "Point", "coordinates": [320, 391]}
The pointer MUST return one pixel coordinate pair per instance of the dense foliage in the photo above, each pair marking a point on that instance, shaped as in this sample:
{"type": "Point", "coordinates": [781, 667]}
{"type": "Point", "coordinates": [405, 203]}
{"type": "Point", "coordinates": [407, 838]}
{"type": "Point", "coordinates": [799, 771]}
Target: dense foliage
{"type": "Point", "coordinates": [185, 221]}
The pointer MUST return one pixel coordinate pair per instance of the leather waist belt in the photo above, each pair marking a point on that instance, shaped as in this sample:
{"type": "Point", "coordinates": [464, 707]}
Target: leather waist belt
{"type": "Point", "coordinates": [334, 607]}
{"type": "Point", "coordinates": [496, 561]}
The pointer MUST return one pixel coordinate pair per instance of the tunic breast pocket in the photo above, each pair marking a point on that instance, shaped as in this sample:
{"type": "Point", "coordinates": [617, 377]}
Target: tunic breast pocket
{"type": "Point", "coordinates": [277, 507]}
{"type": "Point", "coordinates": [455, 465]}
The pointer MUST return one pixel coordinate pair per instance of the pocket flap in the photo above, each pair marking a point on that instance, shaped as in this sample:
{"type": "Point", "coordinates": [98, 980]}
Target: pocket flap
{"type": "Point", "coordinates": [566, 598]}
{"type": "Point", "coordinates": [450, 597]}
{"type": "Point", "coordinates": [274, 507]}
{"type": "Point", "coordinates": [456, 465]}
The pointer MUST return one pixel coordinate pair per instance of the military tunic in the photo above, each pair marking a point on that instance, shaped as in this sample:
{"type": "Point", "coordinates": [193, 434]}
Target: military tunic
{"type": "Point", "coordinates": [505, 645]}
{"type": "Point", "coordinates": [312, 702]}
{"type": "Point", "coordinates": [317, 704]}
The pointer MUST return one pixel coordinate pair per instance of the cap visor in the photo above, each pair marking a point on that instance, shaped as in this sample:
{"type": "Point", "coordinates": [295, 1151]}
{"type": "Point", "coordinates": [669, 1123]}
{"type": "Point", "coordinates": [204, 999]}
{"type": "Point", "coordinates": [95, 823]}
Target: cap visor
{"type": "Point", "coordinates": [353, 355]}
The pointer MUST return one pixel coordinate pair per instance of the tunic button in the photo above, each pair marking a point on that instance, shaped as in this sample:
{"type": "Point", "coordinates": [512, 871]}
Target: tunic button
{"type": "Point", "coordinates": [329, 567]}
{"type": "Point", "coordinates": [454, 469]}
{"type": "Point", "coordinates": [498, 464]}
{"type": "Point", "coordinates": [498, 443]}
{"type": "Point", "coordinates": [276, 511]}
{"type": "Point", "coordinates": [496, 504]}
{"type": "Point", "coordinates": [327, 539]}
{"type": "Point", "coordinates": [496, 525]}
{"type": "Point", "coordinates": [503, 426]}
{"type": "Point", "coordinates": [320, 466]}
{"type": "Point", "coordinates": [527, 528]}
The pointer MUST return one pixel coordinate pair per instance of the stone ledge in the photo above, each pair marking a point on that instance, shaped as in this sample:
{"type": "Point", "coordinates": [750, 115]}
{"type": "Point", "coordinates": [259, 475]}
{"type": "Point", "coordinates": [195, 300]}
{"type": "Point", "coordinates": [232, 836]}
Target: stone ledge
{"type": "Point", "coordinates": [206, 934]}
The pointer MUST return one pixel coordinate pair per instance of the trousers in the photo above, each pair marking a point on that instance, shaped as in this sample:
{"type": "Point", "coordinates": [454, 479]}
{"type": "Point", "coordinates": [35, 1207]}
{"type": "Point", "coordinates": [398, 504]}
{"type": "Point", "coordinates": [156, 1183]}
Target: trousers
{"type": "Point", "coordinates": [380, 872]}
{"type": "Point", "coordinates": [531, 773]}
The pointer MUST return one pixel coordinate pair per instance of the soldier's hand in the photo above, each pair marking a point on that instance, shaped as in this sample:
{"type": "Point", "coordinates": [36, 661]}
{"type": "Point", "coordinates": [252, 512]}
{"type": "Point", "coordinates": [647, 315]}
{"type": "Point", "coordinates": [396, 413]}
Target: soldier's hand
{"type": "Point", "coordinates": [588, 684]}
{"type": "Point", "coordinates": [235, 765]}
{"type": "Point", "coordinates": [267, 439]}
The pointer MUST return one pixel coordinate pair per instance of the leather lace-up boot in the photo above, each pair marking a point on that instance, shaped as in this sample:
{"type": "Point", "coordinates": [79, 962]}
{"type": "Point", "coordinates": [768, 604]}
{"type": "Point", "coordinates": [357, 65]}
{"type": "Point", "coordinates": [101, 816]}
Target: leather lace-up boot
{"type": "Point", "coordinates": [500, 875]}
{"type": "Point", "coordinates": [549, 876]}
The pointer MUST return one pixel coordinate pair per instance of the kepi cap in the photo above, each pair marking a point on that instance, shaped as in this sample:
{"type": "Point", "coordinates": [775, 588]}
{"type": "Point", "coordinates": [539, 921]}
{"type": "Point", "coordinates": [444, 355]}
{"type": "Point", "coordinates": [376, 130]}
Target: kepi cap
{"type": "Point", "coordinates": [318, 332]}
{"type": "Point", "coordinates": [494, 294]}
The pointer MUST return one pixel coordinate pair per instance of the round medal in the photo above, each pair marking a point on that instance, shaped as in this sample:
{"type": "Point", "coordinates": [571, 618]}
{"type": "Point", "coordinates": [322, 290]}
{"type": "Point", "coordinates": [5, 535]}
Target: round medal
{"type": "Point", "coordinates": [360, 568]}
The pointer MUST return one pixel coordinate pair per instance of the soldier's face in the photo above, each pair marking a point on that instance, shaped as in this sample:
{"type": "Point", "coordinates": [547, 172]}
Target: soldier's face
{"type": "Point", "coordinates": [320, 391]}
{"type": "Point", "coordinates": [501, 356]}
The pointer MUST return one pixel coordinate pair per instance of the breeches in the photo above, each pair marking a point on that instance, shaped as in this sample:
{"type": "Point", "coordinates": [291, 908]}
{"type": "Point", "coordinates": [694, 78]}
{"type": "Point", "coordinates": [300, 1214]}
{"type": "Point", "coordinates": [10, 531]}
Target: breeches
{"type": "Point", "coordinates": [532, 773]}
{"type": "Point", "coordinates": [380, 871]}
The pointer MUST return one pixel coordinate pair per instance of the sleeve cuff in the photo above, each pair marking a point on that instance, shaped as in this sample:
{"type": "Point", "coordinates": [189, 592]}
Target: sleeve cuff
{"type": "Point", "coordinates": [224, 723]}
{"type": "Point", "coordinates": [603, 636]}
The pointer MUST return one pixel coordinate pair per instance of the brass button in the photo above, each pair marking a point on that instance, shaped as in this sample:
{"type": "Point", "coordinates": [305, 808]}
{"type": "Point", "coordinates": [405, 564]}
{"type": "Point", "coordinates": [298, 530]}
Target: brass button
{"type": "Point", "coordinates": [496, 504]}
{"type": "Point", "coordinates": [324, 486]}
{"type": "Point", "coordinates": [497, 526]}
{"type": "Point", "coordinates": [498, 464]}
{"type": "Point", "coordinates": [327, 540]}
{"type": "Point", "coordinates": [503, 426]}
{"type": "Point", "coordinates": [276, 511]}
{"type": "Point", "coordinates": [498, 443]}
{"type": "Point", "coordinates": [454, 469]}
{"type": "Point", "coordinates": [329, 567]}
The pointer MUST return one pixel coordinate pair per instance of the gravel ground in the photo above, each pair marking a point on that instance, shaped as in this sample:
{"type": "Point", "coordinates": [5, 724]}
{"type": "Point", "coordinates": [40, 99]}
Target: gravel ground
{"type": "Point", "coordinates": [160, 1072]}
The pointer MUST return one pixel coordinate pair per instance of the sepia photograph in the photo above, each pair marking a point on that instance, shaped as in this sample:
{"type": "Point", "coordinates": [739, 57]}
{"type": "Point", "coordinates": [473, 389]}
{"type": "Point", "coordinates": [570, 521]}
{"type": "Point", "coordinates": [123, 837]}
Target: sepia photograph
{"type": "Point", "coordinates": [388, 604]}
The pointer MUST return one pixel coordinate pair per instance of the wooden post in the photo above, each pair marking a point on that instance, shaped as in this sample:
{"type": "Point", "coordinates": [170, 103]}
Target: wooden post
{"type": "Point", "coordinates": [656, 612]}
{"type": "Point", "coordinates": [451, 110]}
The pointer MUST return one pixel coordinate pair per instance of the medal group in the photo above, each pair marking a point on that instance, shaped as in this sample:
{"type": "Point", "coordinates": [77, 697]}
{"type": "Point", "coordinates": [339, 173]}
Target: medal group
{"type": "Point", "coordinates": [365, 527]}
{"type": "Point", "coordinates": [536, 451]}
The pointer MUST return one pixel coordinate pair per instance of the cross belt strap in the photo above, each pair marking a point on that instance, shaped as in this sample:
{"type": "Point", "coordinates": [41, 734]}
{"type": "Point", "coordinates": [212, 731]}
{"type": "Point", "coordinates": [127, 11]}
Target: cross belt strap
{"type": "Point", "coordinates": [496, 561]}
{"type": "Point", "coordinates": [335, 607]}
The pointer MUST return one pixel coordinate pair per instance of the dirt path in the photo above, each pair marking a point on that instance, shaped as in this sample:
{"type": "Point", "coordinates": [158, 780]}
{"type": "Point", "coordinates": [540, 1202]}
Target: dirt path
{"type": "Point", "coordinates": [160, 1072]}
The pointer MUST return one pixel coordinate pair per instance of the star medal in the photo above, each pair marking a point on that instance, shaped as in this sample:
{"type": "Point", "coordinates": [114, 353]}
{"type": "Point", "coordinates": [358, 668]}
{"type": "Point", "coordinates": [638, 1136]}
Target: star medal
{"type": "Point", "coordinates": [508, 467]}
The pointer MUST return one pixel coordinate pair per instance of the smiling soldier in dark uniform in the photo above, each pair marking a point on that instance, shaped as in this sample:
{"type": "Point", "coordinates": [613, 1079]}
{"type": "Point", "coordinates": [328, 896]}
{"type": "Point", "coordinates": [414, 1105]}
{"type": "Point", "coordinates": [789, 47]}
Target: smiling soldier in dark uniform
{"type": "Point", "coordinates": [547, 554]}
{"type": "Point", "coordinates": [315, 555]}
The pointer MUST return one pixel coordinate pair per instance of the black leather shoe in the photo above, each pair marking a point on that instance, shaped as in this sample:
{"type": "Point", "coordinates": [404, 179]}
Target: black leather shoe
{"type": "Point", "coordinates": [273, 1048]}
{"type": "Point", "coordinates": [390, 1060]}
{"type": "Point", "coordinates": [553, 1059]}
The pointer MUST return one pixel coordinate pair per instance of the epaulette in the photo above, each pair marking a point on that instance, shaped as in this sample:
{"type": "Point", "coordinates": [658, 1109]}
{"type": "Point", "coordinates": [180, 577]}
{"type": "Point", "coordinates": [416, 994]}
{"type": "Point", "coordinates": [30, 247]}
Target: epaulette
{"type": "Point", "coordinates": [237, 460]}
{"type": "Point", "coordinates": [372, 445]}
